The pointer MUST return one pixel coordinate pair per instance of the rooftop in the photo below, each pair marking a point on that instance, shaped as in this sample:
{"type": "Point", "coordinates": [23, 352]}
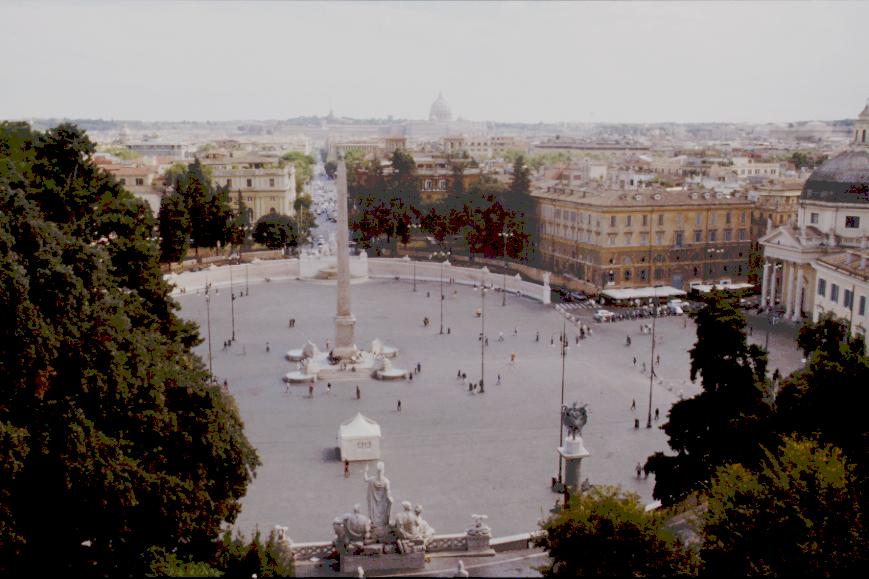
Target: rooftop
{"type": "Point", "coordinates": [639, 198]}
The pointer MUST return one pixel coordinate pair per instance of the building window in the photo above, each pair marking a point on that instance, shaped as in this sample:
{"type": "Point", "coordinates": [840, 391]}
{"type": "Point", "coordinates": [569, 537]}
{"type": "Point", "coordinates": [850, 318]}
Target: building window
{"type": "Point", "coordinates": [852, 221]}
{"type": "Point", "coordinates": [271, 182]}
{"type": "Point", "coordinates": [250, 182]}
{"type": "Point", "coordinates": [743, 235]}
{"type": "Point", "coordinates": [123, 181]}
{"type": "Point", "coordinates": [628, 220]}
{"type": "Point", "coordinates": [862, 309]}
{"type": "Point", "coordinates": [442, 184]}
{"type": "Point", "coordinates": [698, 236]}
{"type": "Point", "coordinates": [848, 300]}
{"type": "Point", "coordinates": [813, 218]}
{"type": "Point", "coordinates": [627, 238]}
{"type": "Point", "coordinates": [659, 273]}
{"type": "Point", "coordinates": [727, 218]}
{"type": "Point", "coordinates": [713, 218]}
{"type": "Point", "coordinates": [612, 239]}
{"type": "Point", "coordinates": [659, 238]}
{"type": "Point", "coordinates": [679, 236]}
{"type": "Point", "coordinates": [834, 293]}
{"type": "Point", "coordinates": [645, 220]}
{"type": "Point", "coordinates": [742, 218]}
{"type": "Point", "coordinates": [229, 182]}
{"type": "Point", "coordinates": [822, 287]}
{"type": "Point", "coordinates": [660, 219]}
{"type": "Point", "coordinates": [612, 221]}
{"type": "Point", "coordinates": [698, 219]}
{"type": "Point", "coordinates": [628, 274]}
{"type": "Point", "coordinates": [728, 235]}
{"type": "Point", "coordinates": [140, 181]}
{"type": "Point", "coordinates": [713, 235]}
{"type": "Point", "coordinates": [250, 199]}
{"type": "Point", "coordinates": [644, 239]}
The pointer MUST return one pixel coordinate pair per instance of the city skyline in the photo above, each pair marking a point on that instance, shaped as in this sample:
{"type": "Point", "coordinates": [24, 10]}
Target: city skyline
{"type": "Point", "coordinates": [623, 63]}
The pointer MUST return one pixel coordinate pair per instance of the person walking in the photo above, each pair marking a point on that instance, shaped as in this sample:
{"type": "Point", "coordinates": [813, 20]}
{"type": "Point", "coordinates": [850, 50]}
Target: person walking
{"type": "Point", "coordinates": [635, 361]}
{"type": "Point", "coordinates": [268, 347]}
{"type": "Point", "coordinates": [537, 337]}
{"type": "Point", "coordinates": [658, 359]}
{"type": "Point", "coordinates": [657, 414]}
{"type": "Point", "coordinates": [398, 406]}
{"type": "Point", "coordinates": [346, 469]}
{"type": "Point", "coordinates": [328, 387]}
{"type": "Point", "coordinates": [358, 393]}
{"type": "Point", "coordinates": [310, 390]}
{"type": "Point", "coordinates": [418, 367]}
{"type": "Point", "coordinates": [459, 375]}
{"type": "Point", "coordinates": [500, 336]}
{"type": "Point", "coordinates": [634, 404]}
{"type": "Point", "coordinates": [499, 380]}
{"type": "Point", "coordinates": [644, 367]}
{"type": "Point", "coordinates": [639, 469]}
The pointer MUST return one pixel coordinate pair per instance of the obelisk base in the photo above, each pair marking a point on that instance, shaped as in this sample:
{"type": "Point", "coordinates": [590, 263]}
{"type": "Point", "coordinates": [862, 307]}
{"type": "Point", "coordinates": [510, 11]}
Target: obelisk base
{"type": "Point", "coordinates": [344, 348]}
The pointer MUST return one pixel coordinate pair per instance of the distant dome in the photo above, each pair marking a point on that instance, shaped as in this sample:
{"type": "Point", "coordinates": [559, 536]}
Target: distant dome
{"type": "Point", "coordinates": [842, 179]}
{"type": "Point", "coordinates": [440, 110]}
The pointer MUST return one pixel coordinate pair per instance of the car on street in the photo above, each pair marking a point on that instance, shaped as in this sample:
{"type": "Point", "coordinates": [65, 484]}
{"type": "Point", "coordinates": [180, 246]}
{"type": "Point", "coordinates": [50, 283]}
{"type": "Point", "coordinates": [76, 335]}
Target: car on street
{"type": "Point", "coordinates": [603, 316]}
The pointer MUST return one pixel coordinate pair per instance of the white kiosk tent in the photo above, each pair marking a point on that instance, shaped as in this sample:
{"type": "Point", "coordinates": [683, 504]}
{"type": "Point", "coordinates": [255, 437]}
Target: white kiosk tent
{"type": "Point", "coordinates": [359, 439]}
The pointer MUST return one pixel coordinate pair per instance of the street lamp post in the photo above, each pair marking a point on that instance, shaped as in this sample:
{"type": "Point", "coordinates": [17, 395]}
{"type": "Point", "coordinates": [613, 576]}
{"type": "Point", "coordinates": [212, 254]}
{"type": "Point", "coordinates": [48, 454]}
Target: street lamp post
{"type": "Point", "coordinates": [505, 235]}
{"type": "Point", "coordinates": [232, 303]}
{"type": "Point", "coordinates": [652, 362]}
{"type": "Point", "coordinates": [208, 317]}
{"type": "Point", "coordinates": [560, 426]}
{"type": "Point", "coordinates": [246, 280]}
{"type": "Point", "coordinates": [483, 336]}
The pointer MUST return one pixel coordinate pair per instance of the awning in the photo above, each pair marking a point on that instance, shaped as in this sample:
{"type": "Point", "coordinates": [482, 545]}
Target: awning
{"type": "Point", "coordinates": [663, 291]}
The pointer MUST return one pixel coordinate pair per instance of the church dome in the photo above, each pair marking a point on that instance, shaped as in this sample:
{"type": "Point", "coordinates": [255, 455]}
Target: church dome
{"type": "Point", "coordinates": [842, 179]}
{"type": "Point", "coordinates": [440, 110]}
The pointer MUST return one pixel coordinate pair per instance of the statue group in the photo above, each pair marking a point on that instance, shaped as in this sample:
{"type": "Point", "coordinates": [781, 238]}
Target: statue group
{"type": "Point", "coordinates": [357, 534]}
{"type": "Point", "coordinates": [574, 418]}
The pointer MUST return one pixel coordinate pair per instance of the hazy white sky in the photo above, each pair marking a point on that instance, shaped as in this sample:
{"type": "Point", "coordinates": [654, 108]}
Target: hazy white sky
{"type": "Point", "coordinates": [529, 62]}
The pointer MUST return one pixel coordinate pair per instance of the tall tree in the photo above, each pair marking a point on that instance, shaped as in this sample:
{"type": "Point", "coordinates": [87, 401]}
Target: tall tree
{"type": "Point", "coordinates": [827, 399]}
{"type": "Point", "coordinates": [796, 515]}
{"type": "Point", "coordinates": [607, 533]}
{"type": "Point", "coordinates": [275, 231]}
{"type": "Point", "coordinates": [207, 206]}
{"type": "Point", "coordinates": [728, 420]}
{"type": "Point", "coordinates": [109, 427]}
{"type": "Point", "coordinates": [175, 228]}
{"type": "Point", "coordinates": [519, 201]}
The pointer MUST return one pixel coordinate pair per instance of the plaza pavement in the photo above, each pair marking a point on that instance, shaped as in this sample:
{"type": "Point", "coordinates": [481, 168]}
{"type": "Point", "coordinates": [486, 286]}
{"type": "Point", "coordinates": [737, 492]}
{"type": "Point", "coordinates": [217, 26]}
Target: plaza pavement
{"type": "Point", "coordinates": [454, 452]}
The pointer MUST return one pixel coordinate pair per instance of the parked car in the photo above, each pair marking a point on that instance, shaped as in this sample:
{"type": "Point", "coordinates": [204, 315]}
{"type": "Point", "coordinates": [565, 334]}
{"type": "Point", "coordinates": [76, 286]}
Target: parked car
{"type": "Point", "coordinates": [603, 316]}
{"type": "Point", "coordinates": [577, 296]}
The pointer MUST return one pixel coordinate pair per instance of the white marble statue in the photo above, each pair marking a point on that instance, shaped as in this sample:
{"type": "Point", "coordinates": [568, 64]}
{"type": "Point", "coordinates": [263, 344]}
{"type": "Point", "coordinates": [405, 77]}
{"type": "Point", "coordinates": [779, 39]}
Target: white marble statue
{"type": "Point", "coordinates": [310, 350]}
{"type": "Point", "coordinates": [407, 523]}
{"type": "Point", "coordinates": [357, 526]}
{"type": "Point", "coordinates": [460, 570]}
{"type": "Point", "coordinates": [379, 501]}
{"type": "Point", "coordinates": [426, 530]}
{"type": "Point", "coordinates": [311, 367]}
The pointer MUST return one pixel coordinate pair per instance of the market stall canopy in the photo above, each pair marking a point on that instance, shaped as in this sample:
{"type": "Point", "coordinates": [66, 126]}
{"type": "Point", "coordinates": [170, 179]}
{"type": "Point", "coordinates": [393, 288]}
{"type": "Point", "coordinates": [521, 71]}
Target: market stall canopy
{"type": "Point", "coordinates": [359, 439]}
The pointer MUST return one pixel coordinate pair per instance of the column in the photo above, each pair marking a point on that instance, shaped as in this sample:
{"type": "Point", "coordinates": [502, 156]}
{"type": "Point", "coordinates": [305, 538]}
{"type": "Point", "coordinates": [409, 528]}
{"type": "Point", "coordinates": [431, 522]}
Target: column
{"type": "Point", "coordinates": [344, 319]}
{"type": "Point", "coordinates": [798, 306]}
{"type": "Point", "coordinates": [787, 286]}
{"type": "Point", "coordinates": [764, 285]}
{"type": "Point", "coordinates": [772, 269]}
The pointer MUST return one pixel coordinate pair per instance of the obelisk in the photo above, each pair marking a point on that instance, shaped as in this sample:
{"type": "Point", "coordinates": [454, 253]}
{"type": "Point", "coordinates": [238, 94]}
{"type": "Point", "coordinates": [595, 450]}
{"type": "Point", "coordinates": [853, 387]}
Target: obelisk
{"type": "Point", "coordinates": [344, 320]}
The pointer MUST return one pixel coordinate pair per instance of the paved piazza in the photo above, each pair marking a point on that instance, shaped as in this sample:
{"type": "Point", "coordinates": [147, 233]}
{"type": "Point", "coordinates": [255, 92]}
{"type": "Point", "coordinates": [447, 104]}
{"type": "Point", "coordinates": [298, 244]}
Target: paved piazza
{"type": "Point", "coordinates": [454, 452]}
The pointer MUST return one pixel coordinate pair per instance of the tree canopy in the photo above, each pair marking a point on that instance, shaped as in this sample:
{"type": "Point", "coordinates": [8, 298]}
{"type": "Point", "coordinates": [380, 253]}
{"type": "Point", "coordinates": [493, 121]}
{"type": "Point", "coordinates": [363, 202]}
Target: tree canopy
{"type": "Point", "coordinates": [728, 419]}
{"type": "Point", "coordinates": [607, 533]}
{"type": "Point", "coordinates": [304, 165]}
{"type": "Point", "coordinates": [113, 440]}
{"type": "Point", "coordinates": [795, 515]}
{"type": "Point", "coordinates": [275, 231]}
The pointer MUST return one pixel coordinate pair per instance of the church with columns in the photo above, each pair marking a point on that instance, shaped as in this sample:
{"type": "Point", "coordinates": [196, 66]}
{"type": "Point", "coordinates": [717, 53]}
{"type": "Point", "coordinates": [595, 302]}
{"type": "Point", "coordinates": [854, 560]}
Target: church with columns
{"type": "Point", "coordinates": [818, 264]}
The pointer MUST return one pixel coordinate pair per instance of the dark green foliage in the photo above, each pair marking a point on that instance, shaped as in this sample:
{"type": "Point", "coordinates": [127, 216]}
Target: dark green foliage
{"type": "Point", "coordinates": [208, 207]}
{"type": "Point", "coordinates": [828, 399]}
{"type": "Point", "coordinates": [607, 533]}
{"type": "Point", "coordinates": [729, 418]}
{"type": "Point", "coordinates": [175, 229]}
{"type": "Point", "coordinates": [274, 231]}
{"type": "Point", "coordinates": [110, 433]}
{"type": "Point", "coordinates": [236, 558]}
{"type": "Point", "coordinates": [794, 516]}
{"type": "Point", "coordinates": [304, 165]}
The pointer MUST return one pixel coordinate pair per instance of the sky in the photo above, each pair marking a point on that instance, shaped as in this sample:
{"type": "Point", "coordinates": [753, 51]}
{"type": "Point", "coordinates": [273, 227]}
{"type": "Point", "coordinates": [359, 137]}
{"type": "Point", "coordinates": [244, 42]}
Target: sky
{"type": "Point", "coordinates": [621, 62]}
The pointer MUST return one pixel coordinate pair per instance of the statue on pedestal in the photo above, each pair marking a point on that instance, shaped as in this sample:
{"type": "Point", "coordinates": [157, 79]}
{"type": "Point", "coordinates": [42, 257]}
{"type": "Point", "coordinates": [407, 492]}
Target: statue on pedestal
{"type": "Point", "coordinates": [574, 418]}
{"type": "Point", "coordinates": [407, 524]}
{"type": "Point", "coordinates": [426, 530]}
{"type": "Point", "coordinates": [379, 501]}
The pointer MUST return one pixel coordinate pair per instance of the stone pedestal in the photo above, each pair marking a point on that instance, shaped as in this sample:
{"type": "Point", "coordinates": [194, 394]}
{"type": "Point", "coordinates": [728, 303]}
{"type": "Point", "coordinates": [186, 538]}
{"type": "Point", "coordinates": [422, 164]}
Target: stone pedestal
{"type": "Point", "coordinates": [479, 542]}
{"type": "Point", "coordinates": [383, 562]}
{"type": "Point", "coordinates": [344, 347]}
{"type": "Point", "coordinates": [573, 452]}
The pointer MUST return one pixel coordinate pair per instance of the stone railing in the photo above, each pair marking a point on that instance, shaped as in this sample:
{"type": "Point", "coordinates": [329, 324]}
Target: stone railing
{"type": "Point", "coordinates": [306, 551]}
{"type": "Point", "coordinates": [440, 543]}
